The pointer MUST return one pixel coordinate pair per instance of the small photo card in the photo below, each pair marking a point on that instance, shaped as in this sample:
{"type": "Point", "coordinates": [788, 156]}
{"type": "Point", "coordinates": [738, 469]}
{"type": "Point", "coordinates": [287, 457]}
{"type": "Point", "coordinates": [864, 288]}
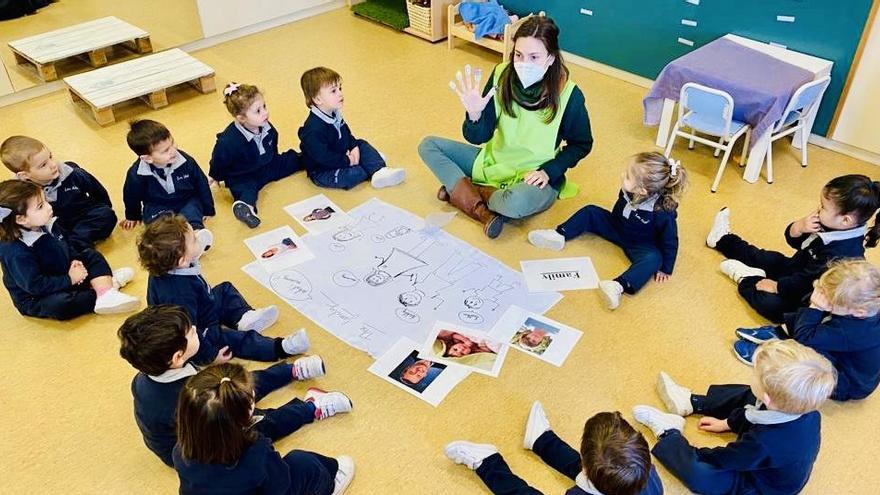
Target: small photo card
{"type": "Point", "coordinates": [279, 249]}
{"type": "Point", "coordinates": [560, 274]}
{"type": "Point", "coordinates": [426, 379]}
{"type": "Point", "coordinates": [318, 214]}
{"type": "Point", "coordinates": [459, 346]}
{"type": "Point", "coordinates": [536, 335]}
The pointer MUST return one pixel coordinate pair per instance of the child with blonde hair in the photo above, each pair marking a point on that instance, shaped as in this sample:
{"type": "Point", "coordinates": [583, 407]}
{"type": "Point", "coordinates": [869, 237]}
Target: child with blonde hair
{"type": "Point", "coordinates": [842, 323]}
{"type": "Point", "coordinates": [245, 157]}
{"type": "Point", "coordinates": [776, 420]}
{"type": "Point", "coordinates": [643, 223]}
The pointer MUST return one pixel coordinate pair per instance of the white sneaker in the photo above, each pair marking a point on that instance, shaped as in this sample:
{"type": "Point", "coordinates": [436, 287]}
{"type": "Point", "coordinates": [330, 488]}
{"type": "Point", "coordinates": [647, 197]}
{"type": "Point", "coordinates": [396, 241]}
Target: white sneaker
{"type": "Point", "coordinates": [328, 404]}
{"type": "Point", "coordinates": [657, 420]}
{"type": "Point", "coordinates": [612, 291]}
{"type": "Point", "coordinates": [344, 474]}
{"type": "Point", "coordinates": [676, 398]}
{"type": "Point", "coordinates": [536, 425]}
{"type": "Point", "coordinates": [296, 343]}
{"type": "Point", "coordinates": [387, 177]}
{"type": "Point", "coordinates": [258, 319]}
{"type": "Point", "coordinates": [720, 227]}
{"type": "Point", "coordinates": [122, 276]}
{"type": "Point", "coordinates": [113, 302]}
{"type": "Point", "coordinates": [306, 368]}
{"type": "Point", "coordinates": [737, 270]}
{"type": "Point", "coordinates": [547, 239]}
{"type": "Point", "coordinates": [205, 238]}
{"type": "Point", "coordinates": [468, 453]}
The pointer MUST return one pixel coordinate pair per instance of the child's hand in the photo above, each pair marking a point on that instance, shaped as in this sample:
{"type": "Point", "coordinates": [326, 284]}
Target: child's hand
{"type": "Point", "coordinates": [714, 425]}
{"type": "Point", "coordinates": [819, 300]}
{"type": "Point", "coordinates": [223, 356]}
{"type": "Point", "coordinates": [77, 272]}
{"type": "Point", "coordinates": [129, 224]}
{"type": "Point", "coordinates": [767, 285]}
{"type": "Point", "coordinates": [214, 184]}
{"type": "Point", "coordinates": [537, 178]}
{"type": "Point", "coordinates": [808, 225]}
{"type": "Point", "coordinates": [661, 277]}
{"type": "Point", "coordinates": [355, 155]}
{"type": "Point", "coordinates": [468, 91]}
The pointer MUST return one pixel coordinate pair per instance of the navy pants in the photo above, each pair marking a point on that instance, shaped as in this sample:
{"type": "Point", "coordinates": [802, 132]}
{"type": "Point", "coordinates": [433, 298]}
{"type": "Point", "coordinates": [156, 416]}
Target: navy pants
{"type": "Point", "coordinates": [245, 345]}
{"type": "Point", "coordinates": [557, 454]}
{"type": "Point", "coordinates": [247, 188]}
{"type": "Point", "coordinates": [646, 258]}
{"type": "Point", "coordinates": [230, 304]}
{"type": "Point", "coordinates": [75, 301]}
{"type": "Point", "coordinates": [88, 227]}
{"type": "Point", "coordinates": [681, 459]}
{"type": "Point", "coordinates": [311, 473]}
{"type": "Point", "coordinates": [346, 178]}
{"type": "Point", "coordinates": [776, 265]}
{"type": "Point", "coordinates": [280, 422]}
{"type": "Point", "coordinates": [192, 210]}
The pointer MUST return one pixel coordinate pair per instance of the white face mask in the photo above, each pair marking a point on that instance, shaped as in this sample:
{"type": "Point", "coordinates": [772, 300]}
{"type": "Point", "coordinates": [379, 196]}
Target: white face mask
{"type": "Point", "coordinates": [529, 73]}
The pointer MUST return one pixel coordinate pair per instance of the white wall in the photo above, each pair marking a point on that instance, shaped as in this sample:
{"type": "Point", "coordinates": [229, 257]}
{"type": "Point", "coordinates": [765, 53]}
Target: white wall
{"type": "Point", "coordinates": [859, 122]}
{"type": "Point", "coordinates": [221, 16]}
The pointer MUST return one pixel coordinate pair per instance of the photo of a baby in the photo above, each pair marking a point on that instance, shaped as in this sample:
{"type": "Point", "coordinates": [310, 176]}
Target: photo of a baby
{"type": "Point", "coordinates": [319, 214]}
{"type": "Point", "coordinates": [416, 373]}
{"type": "Point", "coordinates": [534, 336]}
{"type": "Point", "coordinates": [464, 347]}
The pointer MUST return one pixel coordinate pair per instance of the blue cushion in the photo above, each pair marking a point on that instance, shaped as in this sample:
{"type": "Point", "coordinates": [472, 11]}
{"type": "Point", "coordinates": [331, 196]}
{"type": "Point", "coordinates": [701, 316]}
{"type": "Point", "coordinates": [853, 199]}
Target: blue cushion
{"type": "Point", "coordinates": [710, 126]}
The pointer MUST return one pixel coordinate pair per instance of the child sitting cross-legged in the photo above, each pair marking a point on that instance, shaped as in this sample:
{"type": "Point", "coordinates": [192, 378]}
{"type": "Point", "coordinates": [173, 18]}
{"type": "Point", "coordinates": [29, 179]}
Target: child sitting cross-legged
{"type": "Point", "coordinates": [160, 343]}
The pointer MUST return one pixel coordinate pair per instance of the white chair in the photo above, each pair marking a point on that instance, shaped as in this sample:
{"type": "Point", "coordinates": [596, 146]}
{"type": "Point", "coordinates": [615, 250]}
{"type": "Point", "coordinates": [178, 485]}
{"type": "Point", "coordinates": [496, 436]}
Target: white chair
{"type": "Point", "coordinates": [709, 111]}
{"type": "Point", "coordinates": [795, 116]}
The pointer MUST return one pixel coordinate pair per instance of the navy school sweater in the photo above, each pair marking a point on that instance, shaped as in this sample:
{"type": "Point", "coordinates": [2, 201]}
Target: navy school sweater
{"type": "Point", "coordinates": [187, 288]}
{"type": "Point", "coordinates": [653, 487]}
{"type": "Point", "coordinates": [142, 187]}
{"type": "Point", "coordinates": [323, 146]}
{"type": "Point", "coordinates": [32, 271]}
{"type": "Point", "coordinates": [74, 193]}
{"type": "Point", "coordinates": [646, 224]}
{"type": "Point", "coordinates": [235, 156]}
{"type": "Point", "coordinates": [851, 344]}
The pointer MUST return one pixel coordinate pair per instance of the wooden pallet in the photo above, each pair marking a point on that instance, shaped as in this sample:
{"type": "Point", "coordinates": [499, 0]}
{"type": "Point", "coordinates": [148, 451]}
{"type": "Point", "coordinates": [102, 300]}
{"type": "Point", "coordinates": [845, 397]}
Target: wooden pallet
{"type": "Point", "coordinates": [90, 40]}
{"type": "Point", "coordinates": [145, 78]}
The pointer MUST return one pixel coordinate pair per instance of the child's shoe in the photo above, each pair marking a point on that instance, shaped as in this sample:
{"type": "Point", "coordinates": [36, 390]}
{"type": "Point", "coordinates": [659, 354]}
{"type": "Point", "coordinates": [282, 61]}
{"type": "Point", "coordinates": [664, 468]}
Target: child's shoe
{"type": "Point", "coordinates": [720, 227]}
{"type": "Point", "coordinates": [745, 351]}
{"type": "Point", "coordinates": [122, 276]}
{"type": "Point", "coordinates": [468, 453]}
{"type": "Point", "coordinates": [245, 213]}
{"type": "Point", "coordinates": [387, 177]}
{"type": "Point", "coordinates": [612, 291]}
{"type": "Point", "coordinates": [761, 334]}
{"type": "Point", "coordinates": [547, 239]}
{"type": "Point", "coordinates": [344, 474]}
{"type": "Point", "coordinates": [258, 319]}
{"type": "Point", "coordinates": [205, 239]}
{"type": "Point", "coordinates": [676, 398]}
{"type": "Point", "coordinates": [306, 368]}
{"type": "Point", "coordinates": [296, 343]}
{"type": "Point", "coordinates": [328, 404]}
{"type": "Point", "coordinates": [737, 270]}
{"type": "Point", "coordinates": [658, 421]}
{"type": "Point", "coordinates": [113, 301]}
{"type": "Point", "coordinates": [536, 425]}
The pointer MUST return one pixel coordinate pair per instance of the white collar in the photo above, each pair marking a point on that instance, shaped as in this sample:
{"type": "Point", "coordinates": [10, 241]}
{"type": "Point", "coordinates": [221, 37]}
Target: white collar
{"type": "Point", "coordinates": [29, 237]}
{"type": "Point", "coordinates": [835, 235]}
{"type": "Point", "coordinates": [193, 269]}
{"type": "Point", "coordinates": [175, 374]}
{"type": "Point", "coordinates": [145, 168]}
{"type": "Point", "coordinates": [249, 135]}
{"type": "Point", "coordinates": [767, 417]}
{"type": "Point", "coordinates": [584, 483]}
{"type": "Point", "coordinates": [646, 205]}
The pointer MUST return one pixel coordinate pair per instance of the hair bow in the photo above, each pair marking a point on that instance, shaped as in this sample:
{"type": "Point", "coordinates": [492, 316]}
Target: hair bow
{"type": "Point", "coordinates": [225, 379]}
{"type": "Point", "coordinates": [4, 212]}
{"type": "Point", "coordinates": [673, 165]}
{"type": "Point", "coordinates": [230, 88]}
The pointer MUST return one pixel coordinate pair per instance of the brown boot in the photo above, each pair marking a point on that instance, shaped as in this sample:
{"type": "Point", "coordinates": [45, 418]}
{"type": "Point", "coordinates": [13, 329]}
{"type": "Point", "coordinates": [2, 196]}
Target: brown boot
{"type": "Point", "coordinates": [443, 194]}
{"type": "Point", "coordinates": [466, 197]}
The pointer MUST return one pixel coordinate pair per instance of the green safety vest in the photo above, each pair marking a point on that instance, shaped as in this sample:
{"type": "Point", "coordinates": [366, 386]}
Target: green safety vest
{"type": "Point", "coordinates": [520, 144]}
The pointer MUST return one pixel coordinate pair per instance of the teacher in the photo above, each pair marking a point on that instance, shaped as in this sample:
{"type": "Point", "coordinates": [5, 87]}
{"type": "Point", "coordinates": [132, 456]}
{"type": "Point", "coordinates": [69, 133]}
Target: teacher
{"type": "Point", "coordinates": [535, 108]}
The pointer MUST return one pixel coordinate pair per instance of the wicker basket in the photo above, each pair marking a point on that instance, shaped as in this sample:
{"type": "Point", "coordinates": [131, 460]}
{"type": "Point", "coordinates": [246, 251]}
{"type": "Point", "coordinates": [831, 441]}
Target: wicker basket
{"type": "Point", "coordinates": [419, 18]}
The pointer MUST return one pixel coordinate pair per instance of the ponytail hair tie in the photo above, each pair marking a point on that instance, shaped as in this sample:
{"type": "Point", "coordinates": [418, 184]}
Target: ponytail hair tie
{"type": "Point", "coordinates": [225, 379]}
{"type": "Point", "coordinates": [673, 166]}
{"type": "Point", "coordinates": [230, 88]}
{"type": "Point", "coordinates": [4, 212]}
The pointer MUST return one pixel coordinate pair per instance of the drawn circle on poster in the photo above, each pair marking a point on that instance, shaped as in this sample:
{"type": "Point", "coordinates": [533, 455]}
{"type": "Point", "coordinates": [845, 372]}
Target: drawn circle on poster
{"type": "Point", "coordinates": [378, 238]}
{"type": "Point", "coordinates": [406, 315]}
{"type": "Point", "coordinates": [470, 317]}
{"type": "Point", "coordinates": [291, 284]}
{"type": "Point", "coordinates": [345, 278]}
{"type": "Point", "coordinates": [336, 247]}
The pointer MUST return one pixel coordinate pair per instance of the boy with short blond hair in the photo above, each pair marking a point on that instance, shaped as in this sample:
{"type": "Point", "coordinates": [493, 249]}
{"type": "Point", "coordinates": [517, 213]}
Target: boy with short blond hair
{"type": "Point", "coordinates": [776, 420]}
{"type": "Point", "coordinates": [80, 202]}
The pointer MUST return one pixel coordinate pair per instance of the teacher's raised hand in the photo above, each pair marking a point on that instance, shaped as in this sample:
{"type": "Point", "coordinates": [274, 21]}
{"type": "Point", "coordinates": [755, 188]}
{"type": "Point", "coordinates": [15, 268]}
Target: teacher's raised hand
{"type": "Point", "coordinates": [467, 87]}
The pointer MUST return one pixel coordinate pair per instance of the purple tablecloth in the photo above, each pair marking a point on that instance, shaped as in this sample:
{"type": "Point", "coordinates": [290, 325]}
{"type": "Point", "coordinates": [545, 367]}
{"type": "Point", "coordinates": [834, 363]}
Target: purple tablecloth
{"type": "Point", "coordinates": [760, 85]}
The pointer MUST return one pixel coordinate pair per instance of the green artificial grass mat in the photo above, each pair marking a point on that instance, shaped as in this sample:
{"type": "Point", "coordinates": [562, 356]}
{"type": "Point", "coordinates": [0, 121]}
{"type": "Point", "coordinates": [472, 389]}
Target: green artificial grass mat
{"type": "Point", "coordinates": [389, 12]}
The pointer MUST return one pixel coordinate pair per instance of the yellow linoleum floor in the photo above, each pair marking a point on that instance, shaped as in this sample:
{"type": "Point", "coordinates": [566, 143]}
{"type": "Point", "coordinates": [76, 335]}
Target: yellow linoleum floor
{"type": "Point", "coordinates": [67, 415]}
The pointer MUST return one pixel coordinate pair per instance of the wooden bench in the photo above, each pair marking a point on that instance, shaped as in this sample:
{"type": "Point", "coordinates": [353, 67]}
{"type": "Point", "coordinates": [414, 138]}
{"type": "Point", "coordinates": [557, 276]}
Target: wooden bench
{"type": "Point", "coordinates": [457, 29]}
{"type": "Point", "coordinates": [146, 78]}
{"type": "Point", "coordinates": [90, 40]}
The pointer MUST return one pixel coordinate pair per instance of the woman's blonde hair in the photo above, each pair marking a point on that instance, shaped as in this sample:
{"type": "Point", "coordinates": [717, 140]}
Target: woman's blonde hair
{"type": "Point", "coordinates": [659, 175]}
{"type": "Point", "coordinates": [239, 97]}
{"type": "Point", "coordinates": [852, 283]}
{"type": "Point", "coordinates": [797, 379]}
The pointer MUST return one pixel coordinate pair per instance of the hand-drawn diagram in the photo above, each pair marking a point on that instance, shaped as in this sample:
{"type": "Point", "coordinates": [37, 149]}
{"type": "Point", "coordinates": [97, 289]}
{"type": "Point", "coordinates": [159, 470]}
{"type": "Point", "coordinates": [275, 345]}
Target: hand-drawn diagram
{"type": "Point", "coordinates": [370, 293]}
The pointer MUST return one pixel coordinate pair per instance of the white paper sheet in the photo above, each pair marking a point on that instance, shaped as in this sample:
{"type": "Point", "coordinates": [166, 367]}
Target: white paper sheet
{"type": "Point", "coordinates": [318, 214]}
{"type": "Point", "coordinates": [560, 274]}
{"type": "Point", "coordinates": [536, 335]}
{"type": "Point", "coordinates": [279, 249]}
{"type": "Point", "coordinates": [428, 380]}
{"type": "Point", "coordinates": [470, 349]}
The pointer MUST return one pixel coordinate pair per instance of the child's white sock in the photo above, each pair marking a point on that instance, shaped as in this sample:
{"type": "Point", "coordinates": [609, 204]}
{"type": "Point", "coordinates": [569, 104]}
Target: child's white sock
{"type": "Point", "coordinates": [258, 319]}
{"type": "Point", "coordinates": [547, 239]}
{"type": "Point", "coordinates": [676, 398]}
{"type": "Point", "coordinates": [296, 343]}
{"type": "Point", "coordinates": [387, 177]}
{"type": "Point", "coordinates": [612, 291]}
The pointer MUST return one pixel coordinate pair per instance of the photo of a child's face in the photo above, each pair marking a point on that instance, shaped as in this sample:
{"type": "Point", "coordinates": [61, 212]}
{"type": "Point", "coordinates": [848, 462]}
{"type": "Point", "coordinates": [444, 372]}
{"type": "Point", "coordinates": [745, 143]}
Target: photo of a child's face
{"type": "Point", "coordinates": [416, 373]}
{"type": "Point", "coordinates": [319, 214]}
{"type": "Point", "coordinates": [534, 336]}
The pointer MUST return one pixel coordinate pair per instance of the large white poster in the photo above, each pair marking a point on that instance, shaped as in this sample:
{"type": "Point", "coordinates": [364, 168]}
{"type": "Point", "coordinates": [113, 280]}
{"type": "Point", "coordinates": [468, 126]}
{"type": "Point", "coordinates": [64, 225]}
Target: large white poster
{"type": "Point", "coordinates": [386, 275]}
